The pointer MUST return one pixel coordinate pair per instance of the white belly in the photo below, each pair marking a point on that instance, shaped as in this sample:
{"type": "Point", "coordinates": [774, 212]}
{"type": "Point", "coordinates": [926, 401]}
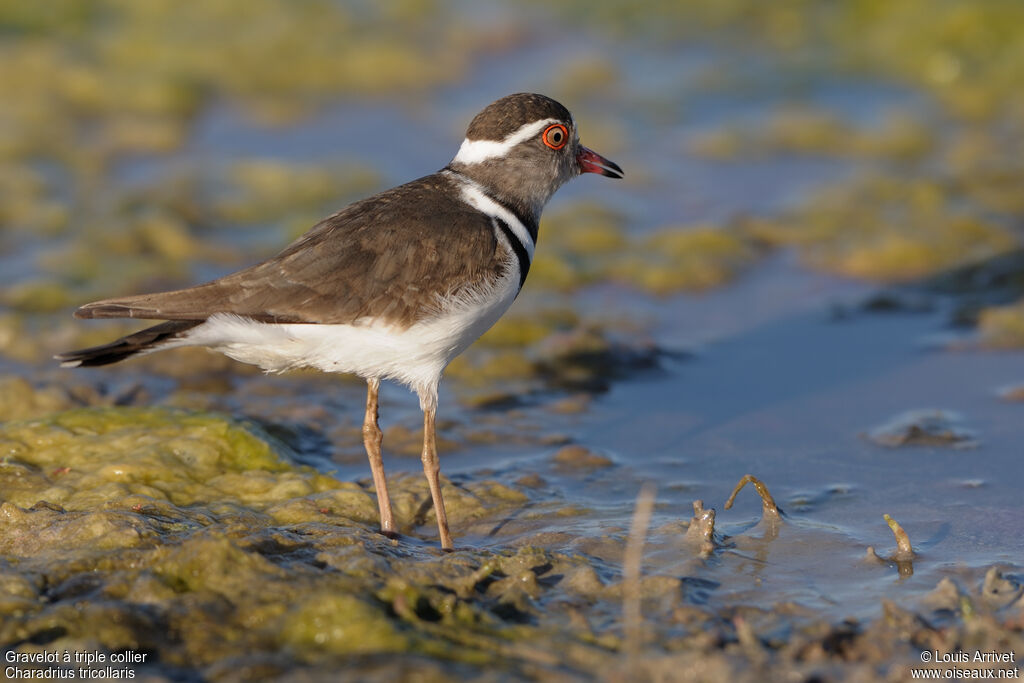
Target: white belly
{"type": "Point", "coordinates": [415, 356]}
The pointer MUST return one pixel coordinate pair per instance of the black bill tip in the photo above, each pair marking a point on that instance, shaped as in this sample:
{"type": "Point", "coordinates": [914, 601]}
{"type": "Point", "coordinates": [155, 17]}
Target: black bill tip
{"type": "Point", "coordinates": [592, 162]}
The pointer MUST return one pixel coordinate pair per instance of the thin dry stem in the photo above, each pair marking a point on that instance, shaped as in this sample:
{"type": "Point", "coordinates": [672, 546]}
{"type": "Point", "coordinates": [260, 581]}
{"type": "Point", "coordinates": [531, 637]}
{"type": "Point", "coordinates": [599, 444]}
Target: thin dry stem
{"type": "Point", "coordinates": [631, 567]}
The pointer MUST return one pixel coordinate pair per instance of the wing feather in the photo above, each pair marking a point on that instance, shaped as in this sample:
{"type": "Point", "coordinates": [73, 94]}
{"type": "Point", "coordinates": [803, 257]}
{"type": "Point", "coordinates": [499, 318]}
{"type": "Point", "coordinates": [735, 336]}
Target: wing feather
{"type": "Point", "coordinates": [386, 256]}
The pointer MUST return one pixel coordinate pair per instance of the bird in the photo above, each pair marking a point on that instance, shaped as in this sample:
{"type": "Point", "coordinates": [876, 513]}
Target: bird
{"type": "Point", "coordinates": [391, 287]}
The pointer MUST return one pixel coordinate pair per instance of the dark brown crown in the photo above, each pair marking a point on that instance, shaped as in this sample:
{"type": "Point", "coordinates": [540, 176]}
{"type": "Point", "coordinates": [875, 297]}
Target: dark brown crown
{"type": "Point", "coordinates": [503, 117]}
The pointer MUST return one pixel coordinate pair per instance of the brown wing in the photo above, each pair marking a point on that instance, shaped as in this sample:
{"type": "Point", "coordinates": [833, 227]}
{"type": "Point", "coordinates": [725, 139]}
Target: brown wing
{"type": "Point", "coordinates": [386, 256]}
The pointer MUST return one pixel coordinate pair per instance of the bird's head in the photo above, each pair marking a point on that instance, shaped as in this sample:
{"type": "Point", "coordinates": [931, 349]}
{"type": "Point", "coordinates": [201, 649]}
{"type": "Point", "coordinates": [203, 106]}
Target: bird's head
{"type": "Point", "coordinates": [523, 147]}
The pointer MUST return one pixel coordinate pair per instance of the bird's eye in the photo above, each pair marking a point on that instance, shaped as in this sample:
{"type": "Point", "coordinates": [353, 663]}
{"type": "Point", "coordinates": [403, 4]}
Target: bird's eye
{"type": "Point", "coordinates": [555, 136]}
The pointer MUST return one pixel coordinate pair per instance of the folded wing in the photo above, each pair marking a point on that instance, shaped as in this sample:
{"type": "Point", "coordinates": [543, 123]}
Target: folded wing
{"type": "Point", "coordinates": [373, 258]}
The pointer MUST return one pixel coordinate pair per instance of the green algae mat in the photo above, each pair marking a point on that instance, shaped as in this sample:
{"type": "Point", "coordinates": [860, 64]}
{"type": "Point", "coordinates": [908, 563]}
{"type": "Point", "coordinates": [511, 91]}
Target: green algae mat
{"type": "Point", "coordinates": [194, 543]}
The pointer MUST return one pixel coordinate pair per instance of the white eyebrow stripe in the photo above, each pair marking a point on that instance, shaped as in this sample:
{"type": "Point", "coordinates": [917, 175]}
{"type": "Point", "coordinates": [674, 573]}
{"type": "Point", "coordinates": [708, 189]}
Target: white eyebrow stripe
{"type": "Point", "coordinates": [475, 151]}
{"type": "Point", "coordinates": [478, 199]}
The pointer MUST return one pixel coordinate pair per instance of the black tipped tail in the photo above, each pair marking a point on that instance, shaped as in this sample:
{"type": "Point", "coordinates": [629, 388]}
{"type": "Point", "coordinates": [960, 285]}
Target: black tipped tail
{"type": "Point", "coordinates": [145, 340]}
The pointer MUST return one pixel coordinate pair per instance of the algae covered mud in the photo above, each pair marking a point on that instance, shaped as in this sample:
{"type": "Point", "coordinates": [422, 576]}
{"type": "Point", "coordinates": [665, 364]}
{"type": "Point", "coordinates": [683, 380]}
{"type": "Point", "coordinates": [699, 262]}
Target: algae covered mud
{"type": "Point", "coordinates": [812, 274]}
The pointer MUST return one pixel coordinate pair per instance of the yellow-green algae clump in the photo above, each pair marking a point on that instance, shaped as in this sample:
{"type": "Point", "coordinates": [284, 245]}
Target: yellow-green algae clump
{"type": "Point", "coordinates": [1002, 327]}
{"type": "Point", "coordinates": [685, 259]}
{"type": "Point", "coordinates": [588, 243]}
{"type": "Point", "coordinates": [201, 542]}
{"type": "Point", "coordinates": [886, 229]}
{"type": "Point", "coordinates": [199, 526]}
{"type": "Point", "coordinates": [81, 459]}
{"type": "Point", "coordinates": [813, 132]}
{"type": "Point", "coordinates": [89, 458]}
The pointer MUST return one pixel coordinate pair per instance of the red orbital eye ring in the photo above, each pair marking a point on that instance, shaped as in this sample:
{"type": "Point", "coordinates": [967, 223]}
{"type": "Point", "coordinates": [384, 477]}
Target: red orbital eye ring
{"type": "Point", "coordinates": [559, 143]}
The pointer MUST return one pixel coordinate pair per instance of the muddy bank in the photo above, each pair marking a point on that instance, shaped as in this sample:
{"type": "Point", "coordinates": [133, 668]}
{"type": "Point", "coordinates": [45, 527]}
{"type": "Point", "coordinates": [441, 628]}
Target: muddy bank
{"type": "Point", "coordinates": [199, 542]}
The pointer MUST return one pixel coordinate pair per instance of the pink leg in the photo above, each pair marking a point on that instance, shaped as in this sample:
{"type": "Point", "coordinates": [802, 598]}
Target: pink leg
{"type": "Point", "coordinates": [372, 439]}
{"type": "Point", "coordinates": [432, 468]}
